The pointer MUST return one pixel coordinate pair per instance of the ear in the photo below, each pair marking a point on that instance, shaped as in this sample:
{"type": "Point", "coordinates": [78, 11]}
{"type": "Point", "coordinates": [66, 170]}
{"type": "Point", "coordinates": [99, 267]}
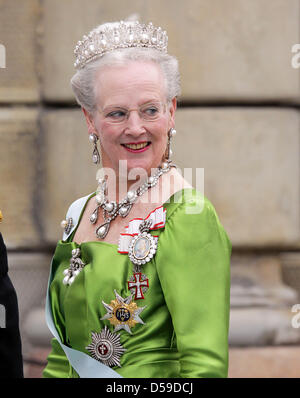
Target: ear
{"type": "Point", "coordinates": [172, 110]}
{"type": "Point", "coordinates": [89, 122]}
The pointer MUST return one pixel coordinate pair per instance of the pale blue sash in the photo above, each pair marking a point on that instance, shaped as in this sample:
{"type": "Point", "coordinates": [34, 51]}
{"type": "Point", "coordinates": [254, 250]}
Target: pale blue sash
{"type": "Point", "coordinates": [84, 365]}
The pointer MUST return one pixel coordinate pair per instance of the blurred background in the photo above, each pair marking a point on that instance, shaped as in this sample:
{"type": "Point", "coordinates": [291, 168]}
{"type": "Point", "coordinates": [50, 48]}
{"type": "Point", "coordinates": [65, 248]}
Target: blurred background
{"type": "Point", "coordinates": [238, 118]}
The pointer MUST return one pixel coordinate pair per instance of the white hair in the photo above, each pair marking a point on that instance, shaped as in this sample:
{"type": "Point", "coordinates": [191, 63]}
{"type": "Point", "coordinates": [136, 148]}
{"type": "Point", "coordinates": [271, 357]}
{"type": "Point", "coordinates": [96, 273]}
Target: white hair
{"type": "Point", "coordinates": [83, 82]}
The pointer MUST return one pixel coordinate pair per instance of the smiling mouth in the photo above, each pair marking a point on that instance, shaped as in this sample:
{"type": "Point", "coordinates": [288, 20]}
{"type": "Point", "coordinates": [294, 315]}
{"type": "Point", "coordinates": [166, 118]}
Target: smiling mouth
{"type": "Point", "coordinates": [142, 145]}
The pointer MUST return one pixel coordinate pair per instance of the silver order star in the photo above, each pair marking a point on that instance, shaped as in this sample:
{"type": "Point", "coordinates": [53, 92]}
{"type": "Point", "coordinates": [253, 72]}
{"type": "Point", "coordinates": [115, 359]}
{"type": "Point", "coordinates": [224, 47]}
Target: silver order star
{"type": "Point", "coordinates": [106, 347]}
{"type": "Point", "coordinates": [123, 304]}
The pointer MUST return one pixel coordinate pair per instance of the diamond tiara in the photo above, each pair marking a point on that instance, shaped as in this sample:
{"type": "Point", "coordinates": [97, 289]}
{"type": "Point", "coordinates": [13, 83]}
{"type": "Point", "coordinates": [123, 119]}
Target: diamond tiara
{"type": "Point", "coordinates": [124, 35]}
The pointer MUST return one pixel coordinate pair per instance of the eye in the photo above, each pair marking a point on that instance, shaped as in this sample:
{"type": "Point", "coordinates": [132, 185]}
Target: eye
{"type": "Point", "coordinates": [117, 114]}
{"type": "Point", "coordinates": [151, 110]}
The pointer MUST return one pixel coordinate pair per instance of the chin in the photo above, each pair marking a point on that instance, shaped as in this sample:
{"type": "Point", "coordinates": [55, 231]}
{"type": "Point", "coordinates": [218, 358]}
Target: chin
{"type": "Point", "coordinates": [139, 164]}
{"type": "Point", "coordinates": [144, 164]}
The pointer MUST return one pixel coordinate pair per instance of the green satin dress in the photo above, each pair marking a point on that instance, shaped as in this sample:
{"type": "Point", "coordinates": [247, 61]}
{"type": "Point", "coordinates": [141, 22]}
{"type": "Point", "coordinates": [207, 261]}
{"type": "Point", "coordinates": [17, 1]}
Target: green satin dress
{"type": "Point", "coordinates": [186, 318]}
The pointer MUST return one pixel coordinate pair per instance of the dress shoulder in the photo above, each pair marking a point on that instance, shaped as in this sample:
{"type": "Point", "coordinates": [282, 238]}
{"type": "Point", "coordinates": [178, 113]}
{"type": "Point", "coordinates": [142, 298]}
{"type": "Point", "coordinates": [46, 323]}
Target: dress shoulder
{"type": "Point", "coordinates": [192, 214]}
{"type": "Point", "coordinates": [193, 266]}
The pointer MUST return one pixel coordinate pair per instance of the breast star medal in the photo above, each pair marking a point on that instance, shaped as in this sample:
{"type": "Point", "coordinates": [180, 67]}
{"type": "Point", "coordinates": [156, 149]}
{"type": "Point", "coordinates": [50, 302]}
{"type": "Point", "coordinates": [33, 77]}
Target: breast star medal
{"type": "Point", "coordinates": [106, 347]}
{"type": "Point", "coordinates": [143, 246]}
{"type": "Point", "coordinates": [123, 313]}
{"type": "Point", "coordinates": [76, 265]}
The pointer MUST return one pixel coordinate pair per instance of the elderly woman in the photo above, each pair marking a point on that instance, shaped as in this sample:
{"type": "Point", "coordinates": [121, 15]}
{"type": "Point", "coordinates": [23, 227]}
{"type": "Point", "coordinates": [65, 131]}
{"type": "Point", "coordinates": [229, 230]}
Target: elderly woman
{"type": "Point", "coordinates": [140, 283]}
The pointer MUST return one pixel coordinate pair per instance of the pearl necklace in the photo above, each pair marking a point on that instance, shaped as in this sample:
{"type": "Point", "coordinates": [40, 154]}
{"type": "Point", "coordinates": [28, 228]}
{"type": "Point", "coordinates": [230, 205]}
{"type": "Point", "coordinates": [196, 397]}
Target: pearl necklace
{"type": "Point", "coordinates": [113, 209]}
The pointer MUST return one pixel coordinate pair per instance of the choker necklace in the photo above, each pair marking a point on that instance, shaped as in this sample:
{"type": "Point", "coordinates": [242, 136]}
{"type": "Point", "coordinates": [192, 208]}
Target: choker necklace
{"type": "Point", "coordinates": [113, 209]}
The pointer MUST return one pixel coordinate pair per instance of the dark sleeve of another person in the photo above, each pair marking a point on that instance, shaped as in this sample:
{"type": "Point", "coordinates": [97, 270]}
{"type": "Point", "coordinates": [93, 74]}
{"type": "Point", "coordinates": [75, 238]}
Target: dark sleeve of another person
{"type": "Point", "coordinates": [11, 363]}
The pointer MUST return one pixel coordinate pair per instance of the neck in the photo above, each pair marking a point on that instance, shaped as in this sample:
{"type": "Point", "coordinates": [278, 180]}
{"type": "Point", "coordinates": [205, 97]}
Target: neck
{"type": "Point", "coordinates": [119, 185]}
{"type": "Point", "coordinates": [119, 191]}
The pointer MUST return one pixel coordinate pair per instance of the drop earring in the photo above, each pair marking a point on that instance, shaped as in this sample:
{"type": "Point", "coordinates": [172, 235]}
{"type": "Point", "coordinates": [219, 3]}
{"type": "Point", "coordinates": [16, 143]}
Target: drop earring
{"type": "Point", "coordinates": [169, 152]}
{"type": "Point", "coordinates": [96, 156]}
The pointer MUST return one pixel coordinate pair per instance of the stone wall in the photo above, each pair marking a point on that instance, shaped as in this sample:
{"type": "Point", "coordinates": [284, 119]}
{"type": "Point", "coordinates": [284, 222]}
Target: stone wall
{"type": "Point", "coordinates": [238, 118]}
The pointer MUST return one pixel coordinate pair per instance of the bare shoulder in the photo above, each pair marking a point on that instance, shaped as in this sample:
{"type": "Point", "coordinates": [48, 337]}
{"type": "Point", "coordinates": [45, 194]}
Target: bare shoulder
{"type": "Point", "coordinates": [168, 185]}
{"type": "Point", "coordinates": [171, 183]}
{"type": "Point", "coordinates": [84, 232]}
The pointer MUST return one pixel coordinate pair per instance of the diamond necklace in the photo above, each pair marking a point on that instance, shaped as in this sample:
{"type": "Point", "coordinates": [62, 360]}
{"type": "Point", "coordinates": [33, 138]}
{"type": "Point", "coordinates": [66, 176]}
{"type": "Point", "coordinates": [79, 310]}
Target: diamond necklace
{"type": "Point", "coordinates": [113, 209]}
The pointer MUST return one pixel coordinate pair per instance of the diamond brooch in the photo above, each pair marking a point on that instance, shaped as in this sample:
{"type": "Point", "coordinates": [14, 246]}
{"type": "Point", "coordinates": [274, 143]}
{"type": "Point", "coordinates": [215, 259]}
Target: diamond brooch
{"type": "Point", "coordinates": [76, 265]}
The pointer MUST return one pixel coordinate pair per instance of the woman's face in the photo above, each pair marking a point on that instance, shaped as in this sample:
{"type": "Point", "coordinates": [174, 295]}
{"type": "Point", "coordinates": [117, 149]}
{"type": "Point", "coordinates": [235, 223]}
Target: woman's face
{"type": "Point", "coordinates": [131, 87]}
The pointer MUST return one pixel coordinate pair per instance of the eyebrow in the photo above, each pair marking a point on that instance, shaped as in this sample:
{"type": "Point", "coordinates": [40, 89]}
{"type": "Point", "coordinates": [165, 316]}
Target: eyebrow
{"type": "Point", "coordinates": [124, 107]}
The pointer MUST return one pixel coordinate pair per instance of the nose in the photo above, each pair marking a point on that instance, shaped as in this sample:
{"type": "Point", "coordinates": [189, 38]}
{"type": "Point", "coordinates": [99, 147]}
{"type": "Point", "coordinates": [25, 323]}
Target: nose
{"type": "Point", "coordinates": [134, 123]}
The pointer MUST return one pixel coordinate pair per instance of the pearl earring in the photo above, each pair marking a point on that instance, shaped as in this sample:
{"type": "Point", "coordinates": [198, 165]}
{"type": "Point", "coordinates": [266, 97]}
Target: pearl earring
{"type": "Point", "coordinates": [171, 133]}
{"type": "Point", "coordinates": [96, 156]}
